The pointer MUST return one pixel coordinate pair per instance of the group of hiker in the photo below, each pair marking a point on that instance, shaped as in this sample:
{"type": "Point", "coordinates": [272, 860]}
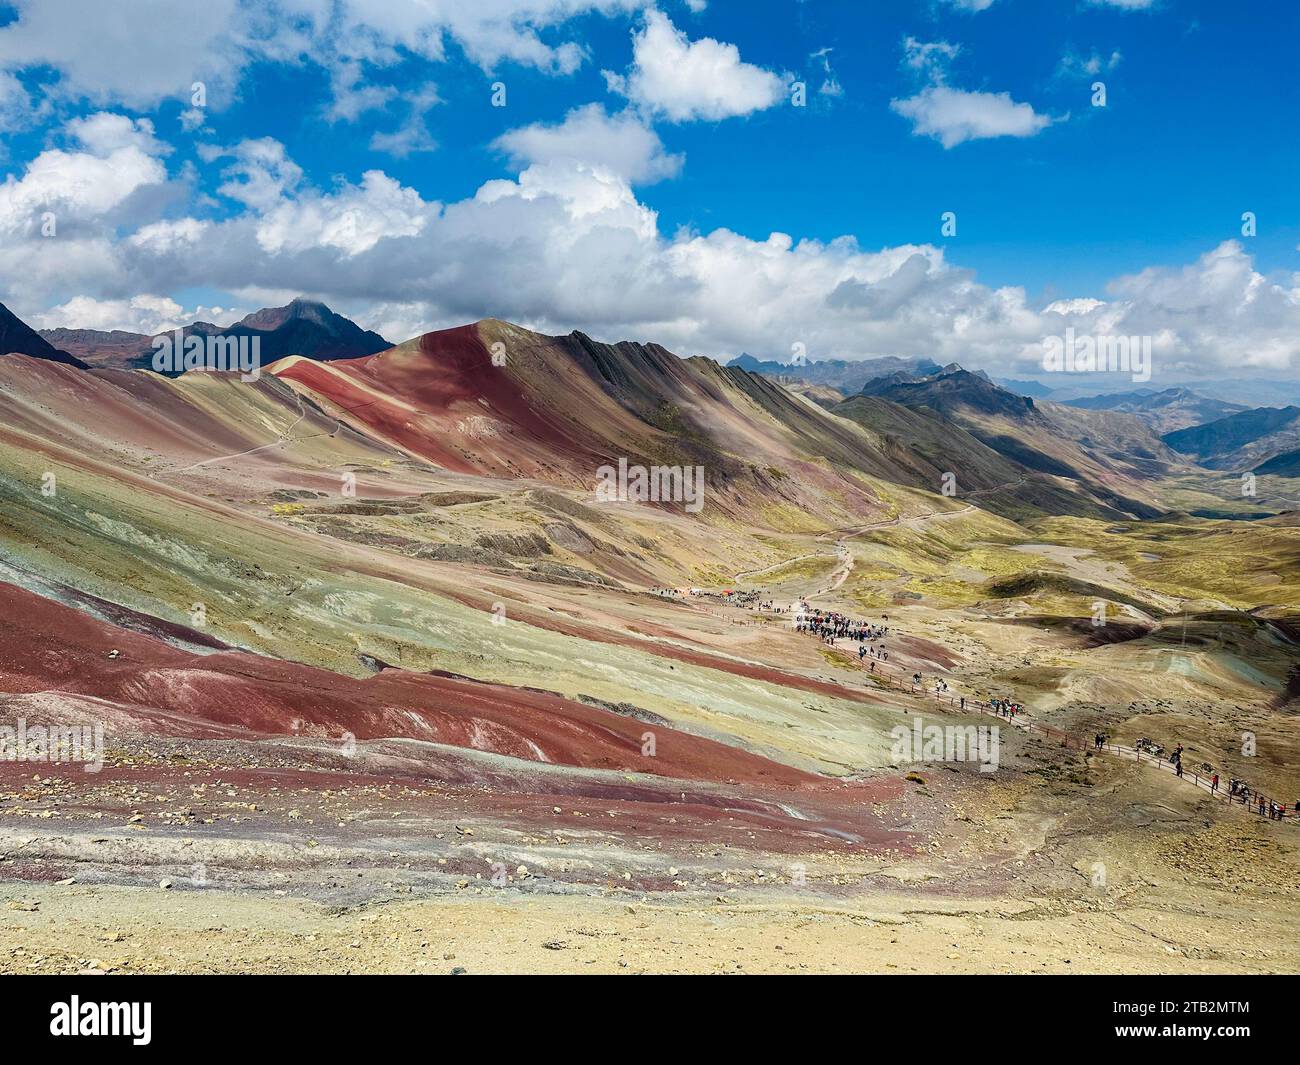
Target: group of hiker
{"type": "Point", "coordinates": [729, 596]}
{"type": "Point", "coordinates": [1237, 789]}
{"type": "Point", "coordinates": [830, 626]}
{"type": "Point", "coordinates": [1005, 708]}
{"type": "Point", "coordinates": [1266, 807]}
{"type": "Point", "coordinates": [667, 593]}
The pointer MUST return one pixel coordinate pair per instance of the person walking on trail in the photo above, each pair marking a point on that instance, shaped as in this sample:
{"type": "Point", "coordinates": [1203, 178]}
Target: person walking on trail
{"type": "Point", "coordinates": [963, 702]}
{"type": "Point", "coordinates": [1214, 784]}
{"type": "Point", "coordinates": [1178, 767]}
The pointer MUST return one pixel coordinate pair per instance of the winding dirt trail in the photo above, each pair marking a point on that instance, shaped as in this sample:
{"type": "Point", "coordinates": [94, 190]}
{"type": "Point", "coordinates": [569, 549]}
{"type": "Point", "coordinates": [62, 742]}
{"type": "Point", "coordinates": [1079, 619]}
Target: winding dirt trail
{"type": "Point", "coordinates": [841, 537]}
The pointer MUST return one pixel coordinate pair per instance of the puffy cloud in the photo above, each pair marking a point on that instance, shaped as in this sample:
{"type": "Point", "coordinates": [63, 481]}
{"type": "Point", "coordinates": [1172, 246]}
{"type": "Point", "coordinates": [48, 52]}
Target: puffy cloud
{"type": "Point", "coordinates": [622, 143]}
{"type": "Point", "coordinates": [682, 80]}
{"type": "Point", "coordinates": [397, 321]}
{"type": "Point", "coordinates": [953, 116]}
{"type": "Point", "coordinates": [169, 236]}
{"type": "Point", "coordinates": [120, 158]}
{"type": "Point", "coordinates": [353, 219]}
{"type": "Point", "coordinates": [567, 244]}
{"type": "Point", "coordinates": [261, 174]}
{"type": "Point", "coordinates": [103, 133]}
{"type": "Point", "coordinates": [1218, 311]}
{"type": "Point", "coordinates": [1216, 314]}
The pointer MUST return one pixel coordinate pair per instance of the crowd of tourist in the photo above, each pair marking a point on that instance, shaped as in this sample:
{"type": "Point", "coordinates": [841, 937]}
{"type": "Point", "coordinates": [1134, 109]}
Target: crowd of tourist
{"type": "Point", "coordinates": [830, 626]}
{"type": "Point", "coordinates": [1006, 708]}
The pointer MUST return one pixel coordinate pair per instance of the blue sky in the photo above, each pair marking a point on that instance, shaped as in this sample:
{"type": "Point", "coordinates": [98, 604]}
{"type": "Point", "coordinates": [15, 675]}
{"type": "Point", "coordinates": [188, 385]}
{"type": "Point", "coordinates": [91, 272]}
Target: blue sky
{"type": "Point", "coordinates": [1126, 216]}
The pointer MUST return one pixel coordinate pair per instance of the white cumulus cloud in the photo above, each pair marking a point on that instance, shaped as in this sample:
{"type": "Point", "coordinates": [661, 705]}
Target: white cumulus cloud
{"type": "Point", "coordinates": [953, 116]}
{"type": "Point", "coordinates": [120, 157]}
{"type": "Point", "coordinates": [623, 143]}
{"type": "Point", "coordinates": [352, 219]}
{"type": "Point", "coordinates": [681, 80]}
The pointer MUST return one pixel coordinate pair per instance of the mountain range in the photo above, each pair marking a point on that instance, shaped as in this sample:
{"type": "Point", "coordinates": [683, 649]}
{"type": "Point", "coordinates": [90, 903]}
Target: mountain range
{"type": "Point", "coordinates": [1249, 440]}
{"type": "Point", "coordinates": [844, 375]}
{"type": "Point", "coordinates": [1109, 458]}
{"type": "Point", "coordinates": [556, 408]}
{"type": "Point", "coordinates": [1165, 411]}
{"type": "Point", "coordinates": [496, 400]}
{"type": "Point", "coordinates": [301, 327]}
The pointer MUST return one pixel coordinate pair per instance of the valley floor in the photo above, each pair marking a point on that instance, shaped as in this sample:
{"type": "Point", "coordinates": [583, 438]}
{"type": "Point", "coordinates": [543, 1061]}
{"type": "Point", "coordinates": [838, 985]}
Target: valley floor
{"type": "Point", "coordinates": [123, 930]}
